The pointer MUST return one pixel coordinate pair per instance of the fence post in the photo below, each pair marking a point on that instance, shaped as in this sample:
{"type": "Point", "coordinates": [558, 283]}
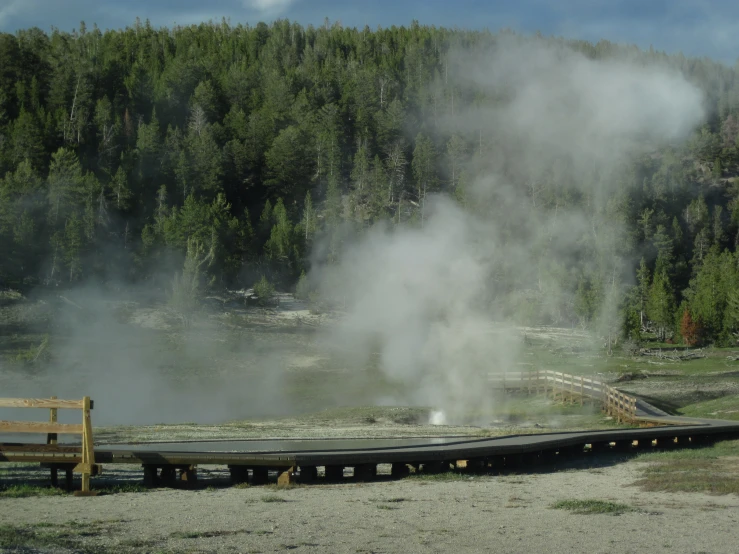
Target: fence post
{"type": "Point", "coordinates": [572, 389]}
{"type": "Point", "coordinates": [88, 456]}
{"type": "Point", "coordinates": [633, 409]}
{"type": "Point", "coordinates": [564, 390]}
{"type": "Point", "coordinates": [531, 381]}
{"type": "Point", "coordinates": [546, 383]}
{"type": "Point", "coordinates": [51, 455]}
{"type": "Point", "coordinates": [51, 438]}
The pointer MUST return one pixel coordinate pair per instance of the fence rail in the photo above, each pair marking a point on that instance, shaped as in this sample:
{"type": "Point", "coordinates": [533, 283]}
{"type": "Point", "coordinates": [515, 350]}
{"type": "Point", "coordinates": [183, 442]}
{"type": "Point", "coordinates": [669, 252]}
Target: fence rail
{"type": "Point", "coordinates": [573, 388]}
{"type": "Point", "coordinates": [82, 460]}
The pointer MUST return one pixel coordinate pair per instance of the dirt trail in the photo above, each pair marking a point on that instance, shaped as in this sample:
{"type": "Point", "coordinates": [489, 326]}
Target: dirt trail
{"type": "Point", "coordinates": [478, 514]}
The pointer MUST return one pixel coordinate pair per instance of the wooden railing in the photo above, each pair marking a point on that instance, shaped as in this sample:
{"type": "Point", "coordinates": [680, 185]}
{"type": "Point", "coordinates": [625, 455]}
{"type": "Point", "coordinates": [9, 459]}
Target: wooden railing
{"type": "Point", "coordinates": [571, 388]}
{"type": "Point", "coordinates": [84, 459]}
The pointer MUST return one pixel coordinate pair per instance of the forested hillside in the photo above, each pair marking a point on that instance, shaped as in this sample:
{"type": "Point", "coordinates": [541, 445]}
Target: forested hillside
{"type": "Point", "coordinates": [246, 145]}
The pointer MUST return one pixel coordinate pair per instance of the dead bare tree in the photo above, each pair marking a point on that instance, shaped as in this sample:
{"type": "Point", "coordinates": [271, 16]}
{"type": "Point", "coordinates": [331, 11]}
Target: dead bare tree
{"type": "Point", "coordinates": [187, 286]}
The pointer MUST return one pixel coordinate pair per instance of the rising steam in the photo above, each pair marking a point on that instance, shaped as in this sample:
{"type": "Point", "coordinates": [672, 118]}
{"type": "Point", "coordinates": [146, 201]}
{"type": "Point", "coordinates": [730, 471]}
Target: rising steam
{"type": "Point", "coordinates": [433, 308]}
{"type": "Point", "coordinates": [433, 302]}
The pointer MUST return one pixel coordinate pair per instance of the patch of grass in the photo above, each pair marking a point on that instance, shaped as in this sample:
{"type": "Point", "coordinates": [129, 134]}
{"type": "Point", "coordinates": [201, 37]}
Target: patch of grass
{"type": "Point", "coordinates": [44, 525]}
{"type": "Point", "coordinates": [274, 498]}
{"type": "Point", "coordinates": [441, 477]}
{"type": "Point", "coordinates": [138, 543]}
{"type": "Point", "coordinates": [586, 360]}
{"type": "Point", "coordinates": [205, 534]}
{"type": "Point", "coordinates": [25, 490]}
{"type": "Point", "coordinates": [711, 469]}
{"type": "Point", "coordinates": [25, 538]}
{"type": "Point", "coordinates": [189, 534]}
{"type": "Point", "coordinates": [15, 537]}
{"type": "Point", "coordinates": [34, 353]}
{"type": "Point", "coordinates": [725, 407]}
{"type": "Point", "coordinates": [516, 502]}
{"type": "Point", "coordinates": [118, 489]}
{"type": "Point", "coordinates": [709, 452]}
{"type": "Point", "coordinates": [588, 507]}
{"type": "Point", "coordinates": [388, 503]}
{"type": "Point", "coordinates": [198, 534]}
{"type": "Point", "coordinates": [370, 414]}
{"type": "Point", "coordinates": [289, 486]}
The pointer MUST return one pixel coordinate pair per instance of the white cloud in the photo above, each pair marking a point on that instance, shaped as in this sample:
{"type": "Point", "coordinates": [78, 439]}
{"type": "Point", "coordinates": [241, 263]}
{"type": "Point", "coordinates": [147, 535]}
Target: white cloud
{"type": "Point", "coordinates": [696, 29]}
{"type": "Point", "coordinates": [12, 8]}
{"type": "Point", "coordinates": [271, 7]}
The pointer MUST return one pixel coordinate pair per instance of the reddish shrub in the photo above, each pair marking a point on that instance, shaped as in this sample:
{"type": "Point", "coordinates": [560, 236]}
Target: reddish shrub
{"type": "Point", "coordinates": [689, 329]}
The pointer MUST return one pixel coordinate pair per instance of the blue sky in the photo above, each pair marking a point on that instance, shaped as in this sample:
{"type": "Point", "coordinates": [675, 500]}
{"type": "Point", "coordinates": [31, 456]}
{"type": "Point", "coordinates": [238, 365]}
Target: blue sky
{"type": "Point", "coordinates": [694, 27]}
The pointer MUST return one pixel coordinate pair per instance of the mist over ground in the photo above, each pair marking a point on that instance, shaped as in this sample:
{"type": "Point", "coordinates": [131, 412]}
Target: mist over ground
{"type": "Point", "coordinates": [434, 298]}
{"type": "Point", "coordinates": [430, 302]}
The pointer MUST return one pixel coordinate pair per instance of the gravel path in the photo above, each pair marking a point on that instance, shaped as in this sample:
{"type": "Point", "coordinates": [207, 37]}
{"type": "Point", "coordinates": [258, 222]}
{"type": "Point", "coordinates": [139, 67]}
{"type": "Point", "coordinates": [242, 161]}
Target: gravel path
{"type": "Point", "coordinates": [509, 513]}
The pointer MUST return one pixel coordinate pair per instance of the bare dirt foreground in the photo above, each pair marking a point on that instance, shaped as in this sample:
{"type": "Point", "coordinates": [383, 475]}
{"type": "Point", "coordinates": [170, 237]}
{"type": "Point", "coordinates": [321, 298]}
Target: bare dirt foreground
{"type": "Point", "coordinates": [278, 351]}
{"type": "Point", "coordinates": [509, 513]}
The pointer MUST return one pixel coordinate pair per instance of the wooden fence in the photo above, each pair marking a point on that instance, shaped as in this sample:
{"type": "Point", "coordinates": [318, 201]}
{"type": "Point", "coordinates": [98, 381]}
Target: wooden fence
{"type": "Point", "coordinates": [572, 388]}
{"type": "Point", "coordinates": [83, 461]}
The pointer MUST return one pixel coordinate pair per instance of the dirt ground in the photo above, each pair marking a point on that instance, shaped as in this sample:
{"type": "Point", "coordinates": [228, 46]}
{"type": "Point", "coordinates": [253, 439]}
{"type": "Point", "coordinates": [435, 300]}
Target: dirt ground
{"type": "Point", "coordinates": [508, 513]}
{"type": "Point", "coordinates": [145, 350]}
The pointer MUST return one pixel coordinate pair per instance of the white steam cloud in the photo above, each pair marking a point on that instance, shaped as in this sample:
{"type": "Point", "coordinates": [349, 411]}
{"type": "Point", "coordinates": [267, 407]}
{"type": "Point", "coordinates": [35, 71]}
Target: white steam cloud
{"type": "Point", "coordinates": [431, 302]}
{"type": "Point", "coordinates": [418, 295]}
{"type": "Point", "coordinates": [429, 307]}
{"type": "Point", "coordinates": [556, 102]}
{"type": "Point", "coordinates": [272, 7]}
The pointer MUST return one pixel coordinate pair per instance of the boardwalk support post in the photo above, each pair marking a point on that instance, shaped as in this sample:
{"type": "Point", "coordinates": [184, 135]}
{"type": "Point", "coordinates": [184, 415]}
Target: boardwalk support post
{"type": "Point", "coordinates": [286, 478]}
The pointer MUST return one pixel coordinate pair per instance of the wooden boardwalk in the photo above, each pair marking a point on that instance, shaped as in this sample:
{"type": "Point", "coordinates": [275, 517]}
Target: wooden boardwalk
{"type": "Point", "coordinates": [166, 463]}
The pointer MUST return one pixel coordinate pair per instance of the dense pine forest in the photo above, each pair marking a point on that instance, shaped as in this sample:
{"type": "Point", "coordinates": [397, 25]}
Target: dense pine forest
{"type": "Point", "coordinates": [233, 151]}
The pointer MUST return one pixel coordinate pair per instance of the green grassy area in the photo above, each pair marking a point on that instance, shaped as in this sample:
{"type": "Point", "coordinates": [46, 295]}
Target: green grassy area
{"type": "Point", "coordinates": [588, 361]}
{"type": "Point", "coordinates": [274, 498]}
{"type": "Point", "coordinates": [587, 507]}
{"type": "Point", "coordinates": [703, 386]}
{"type": "Point", "coordinates": [442, 477]}
{"type": "Point", "coordinates": [205, 534]}
{"type": "Point", "coordinates": [726, 407]}
{"type": "Point", "coordinates": [712, 470]}
{"type": "Point", "coordinates": [26, 490]}
{"type": "Point", "coordinates": [71, 536]}
{"type": "Point", "coordinates": [119, 489]}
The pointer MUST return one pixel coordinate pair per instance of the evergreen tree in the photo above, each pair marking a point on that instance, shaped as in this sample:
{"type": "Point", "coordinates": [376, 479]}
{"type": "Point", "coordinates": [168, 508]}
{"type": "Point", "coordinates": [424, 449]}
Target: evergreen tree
{"type": "Point", "coordinates": [643, 289]}
{"type": "Point", "coordinates": [279, 247]}
{"type": "Point", "coordinates": [661, 304]}
{"type": "Point", "coordinates": [709, 292]}
{"type": "Point", "coordinates": [424, 171]}
{"type": "Point", "coordinates": [187, 133]}
{"type": "Point", "coordinates": [309, 222]}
